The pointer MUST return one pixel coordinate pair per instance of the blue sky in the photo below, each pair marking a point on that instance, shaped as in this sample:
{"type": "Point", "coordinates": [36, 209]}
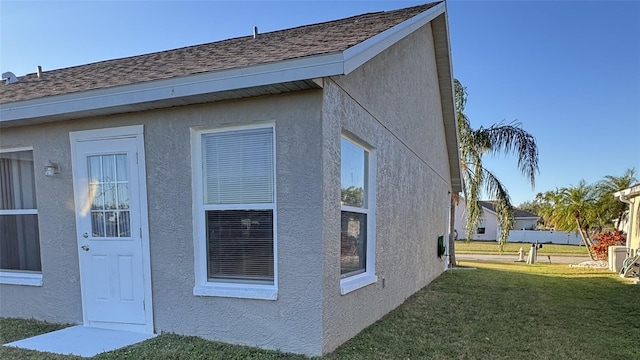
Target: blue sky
{"type": "Point", "coordinates": [569, 71]}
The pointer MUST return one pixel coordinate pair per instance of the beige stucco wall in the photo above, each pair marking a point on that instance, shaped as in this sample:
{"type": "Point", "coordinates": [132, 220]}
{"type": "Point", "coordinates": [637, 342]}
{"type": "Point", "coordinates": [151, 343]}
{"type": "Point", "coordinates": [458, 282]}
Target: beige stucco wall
{"type": "Point", "coordinates": [393, 104]}
{"type": "Point", "coordinates": [292, 323]}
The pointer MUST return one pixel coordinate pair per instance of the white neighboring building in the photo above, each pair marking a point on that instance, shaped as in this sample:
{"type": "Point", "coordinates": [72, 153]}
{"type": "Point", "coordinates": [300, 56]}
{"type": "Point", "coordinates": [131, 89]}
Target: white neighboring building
{"type": "Point", "coordinates": [487, 228]}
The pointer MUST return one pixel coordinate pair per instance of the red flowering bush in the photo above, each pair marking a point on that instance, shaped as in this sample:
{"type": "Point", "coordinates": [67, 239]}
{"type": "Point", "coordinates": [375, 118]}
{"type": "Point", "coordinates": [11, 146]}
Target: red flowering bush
{"type": "Point", "coordinates": [604, 240]}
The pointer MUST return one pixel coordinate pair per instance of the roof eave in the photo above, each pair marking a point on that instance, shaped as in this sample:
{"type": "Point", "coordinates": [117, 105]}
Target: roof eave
{"type": "Point", "coordinates": [440, 29]}
{"type": "Point", "coordinates": [169, 89]}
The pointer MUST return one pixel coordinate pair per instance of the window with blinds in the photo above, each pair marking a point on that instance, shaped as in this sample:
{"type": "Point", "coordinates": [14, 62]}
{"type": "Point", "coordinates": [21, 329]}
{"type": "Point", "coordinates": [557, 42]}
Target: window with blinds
{"type": "Point", "coordinates": [19, 239]}
{"type": "Point", "coordinates": [238, 203]}
{"type": "Point", "coordinates": [238, 167]}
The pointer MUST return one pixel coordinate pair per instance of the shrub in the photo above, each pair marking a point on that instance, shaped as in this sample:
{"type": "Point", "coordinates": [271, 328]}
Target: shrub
{"type": "Point", "coordinates": [604, 240]}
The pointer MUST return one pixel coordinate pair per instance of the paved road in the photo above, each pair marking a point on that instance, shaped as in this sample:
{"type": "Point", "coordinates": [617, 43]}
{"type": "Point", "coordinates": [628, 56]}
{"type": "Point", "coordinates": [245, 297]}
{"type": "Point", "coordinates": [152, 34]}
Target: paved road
{"type": "Point", "coordinates": [510, 257]}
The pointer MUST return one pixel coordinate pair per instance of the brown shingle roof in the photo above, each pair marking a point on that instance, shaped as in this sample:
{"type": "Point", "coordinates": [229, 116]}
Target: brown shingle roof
{"type": "Point", "coordinates": [323, 38]}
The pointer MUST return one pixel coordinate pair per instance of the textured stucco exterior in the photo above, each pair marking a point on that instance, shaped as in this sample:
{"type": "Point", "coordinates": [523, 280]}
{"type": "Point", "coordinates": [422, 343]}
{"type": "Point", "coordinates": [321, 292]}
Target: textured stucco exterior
{"type": "Point", "coordinates": [391, 103]}
{"type": "Point", "coordinates": [292, 323]}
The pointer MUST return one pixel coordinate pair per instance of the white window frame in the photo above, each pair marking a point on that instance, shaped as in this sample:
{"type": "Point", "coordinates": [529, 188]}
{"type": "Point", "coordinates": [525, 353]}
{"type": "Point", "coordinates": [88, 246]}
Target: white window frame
{"type": "Point", "coordinates": [27, 278]}
{"type": "Point", "coordinates": [354, 282]}
{"type": "Point", "coordinates": [203, 286]}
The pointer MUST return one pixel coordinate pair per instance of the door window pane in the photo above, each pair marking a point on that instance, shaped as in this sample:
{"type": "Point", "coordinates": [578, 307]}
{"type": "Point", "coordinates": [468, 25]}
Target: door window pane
{"type": "Point", "coordinates": [97, 224]}
{"type": "Point", "coordinates": [108, 168]}
{"type": "Point", "coordinates": [95, 194]}
{"type": "Point", "coordinates": [109, 194]}
{"type": "Point", "coordinates": [124, 224]}
{"type": "Point", "coordinates": [121, 167]}
{"type": "Point", "coordinates": [123, 196]}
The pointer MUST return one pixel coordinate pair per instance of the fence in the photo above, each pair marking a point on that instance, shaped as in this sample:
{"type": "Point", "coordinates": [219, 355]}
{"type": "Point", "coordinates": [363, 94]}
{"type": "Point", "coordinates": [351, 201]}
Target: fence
{"type": "Point", "coordinates": [554, 237]}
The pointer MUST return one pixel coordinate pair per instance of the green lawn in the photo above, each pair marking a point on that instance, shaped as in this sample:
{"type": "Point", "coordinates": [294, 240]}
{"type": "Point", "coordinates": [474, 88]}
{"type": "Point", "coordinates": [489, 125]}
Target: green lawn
{"type": "Point", "coordinates": [502, 310]}
{"type": "Point", "coordinates": [493, 247]}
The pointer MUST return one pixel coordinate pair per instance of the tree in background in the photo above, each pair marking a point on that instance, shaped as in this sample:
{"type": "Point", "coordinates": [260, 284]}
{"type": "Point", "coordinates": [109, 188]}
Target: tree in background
{"type": "Point", "coordinates": [509, 139]}
{"type": "Point", "coordinates": [589, 209]}
{"type": "Point", "coordinates": [574, 208]}
{"type": "Point", "coordinates": [611, 207]}
{"type": "Point", "coordinates": [352, 195]}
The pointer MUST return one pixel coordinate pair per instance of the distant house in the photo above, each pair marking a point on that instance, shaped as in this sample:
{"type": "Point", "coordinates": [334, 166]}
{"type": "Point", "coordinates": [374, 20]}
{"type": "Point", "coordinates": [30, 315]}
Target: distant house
{"type": "Point", "coordinates": [488, 228]}
{"type": "Point", "coordinates": [201, 190]}
{"type": "Point", "coordinates": [631, 196]}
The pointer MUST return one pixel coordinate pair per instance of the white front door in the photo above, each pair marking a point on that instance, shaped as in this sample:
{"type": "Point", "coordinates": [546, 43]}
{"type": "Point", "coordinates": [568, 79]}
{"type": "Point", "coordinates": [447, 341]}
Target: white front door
{"type": "Point", "coordinates": [109, 183]}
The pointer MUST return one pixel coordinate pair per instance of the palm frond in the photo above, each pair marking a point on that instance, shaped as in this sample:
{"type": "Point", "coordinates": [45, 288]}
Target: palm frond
{"type": "Point", "coordinates": [514, 140]}
{"type": "Point", "coordinates": [504, 209]}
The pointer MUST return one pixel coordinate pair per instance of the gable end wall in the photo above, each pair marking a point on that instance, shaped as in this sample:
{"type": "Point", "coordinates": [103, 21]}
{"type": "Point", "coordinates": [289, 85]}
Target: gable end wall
{"type": "Point", "coordinates": [393, 104]}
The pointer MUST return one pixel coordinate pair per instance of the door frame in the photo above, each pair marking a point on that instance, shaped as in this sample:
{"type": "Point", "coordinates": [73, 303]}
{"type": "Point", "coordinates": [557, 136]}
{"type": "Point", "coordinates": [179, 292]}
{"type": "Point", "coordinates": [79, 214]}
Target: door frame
{"type": "Point", "coordinates": [133, 132]}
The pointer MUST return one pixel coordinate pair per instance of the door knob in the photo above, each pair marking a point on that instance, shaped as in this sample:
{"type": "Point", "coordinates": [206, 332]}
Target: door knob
{"type": "Point", "coordinates": [84, 247]}
{"type": "Point", "coordinates": [85, 235]}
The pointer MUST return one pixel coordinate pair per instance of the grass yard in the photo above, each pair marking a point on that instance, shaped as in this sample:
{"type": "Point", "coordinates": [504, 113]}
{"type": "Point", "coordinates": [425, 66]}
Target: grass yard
{"type": "Point", "coordinates": [493, 247]}
{"type": "Point", "coordinates": [502, 310]}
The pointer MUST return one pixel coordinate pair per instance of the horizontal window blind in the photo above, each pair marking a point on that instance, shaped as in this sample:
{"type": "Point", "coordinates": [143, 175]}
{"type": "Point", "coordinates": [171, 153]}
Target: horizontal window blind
{"type": "Point", "coordinates": [238, 167]}
{"type": "Point", "coordinates": [240, 245]}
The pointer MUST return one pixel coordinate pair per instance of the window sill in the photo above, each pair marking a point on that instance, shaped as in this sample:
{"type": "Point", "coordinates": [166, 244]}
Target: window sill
{"type": "Point", "coordinates": [355, 282]}
{"type": "Point", "coordinates": [237, 291]}
{"type": "Point", "coordinates": [18, 278]}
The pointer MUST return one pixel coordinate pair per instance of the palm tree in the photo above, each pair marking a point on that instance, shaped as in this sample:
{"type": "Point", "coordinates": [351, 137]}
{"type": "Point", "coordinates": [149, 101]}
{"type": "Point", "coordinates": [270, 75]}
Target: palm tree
{"type": "Point", "coordinates": [575, 208]}
{"type": "Point", "coordinates": [612, 208]}
{"type": "Point", "coordinates": [547, 204]}
{"type": "Point", "coordinates": [508, 139]}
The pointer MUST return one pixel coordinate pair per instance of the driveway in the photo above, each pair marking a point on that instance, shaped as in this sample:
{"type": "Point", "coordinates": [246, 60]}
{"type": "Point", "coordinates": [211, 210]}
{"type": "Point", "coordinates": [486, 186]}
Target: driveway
{"type": "Point", "coordinates": [511, 257]}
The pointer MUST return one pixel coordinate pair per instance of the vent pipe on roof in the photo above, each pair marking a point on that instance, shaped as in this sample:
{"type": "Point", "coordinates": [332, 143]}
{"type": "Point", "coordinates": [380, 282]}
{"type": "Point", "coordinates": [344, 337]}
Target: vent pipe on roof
{"type": "Point", "coordinates": [9, 78]}
{"type": "Point", "coordinates": [255, 32]}
{"type": "Point", "coordinates": [39, 71]}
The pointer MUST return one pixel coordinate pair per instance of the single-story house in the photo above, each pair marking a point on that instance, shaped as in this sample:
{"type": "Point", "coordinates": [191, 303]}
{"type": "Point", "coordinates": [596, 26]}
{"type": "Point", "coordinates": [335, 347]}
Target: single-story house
{"type": "Point", "coordinates": [488, 228]}
{"type": "Point", "coordinates": [283, 190]}
{"type": "Point", "coordinates": [631, 196]}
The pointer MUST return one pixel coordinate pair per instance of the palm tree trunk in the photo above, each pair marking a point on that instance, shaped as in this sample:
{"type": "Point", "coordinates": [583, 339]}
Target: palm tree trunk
{"type": "Point", "coordinates": [452, 227]}
{"type": "Point", "coordinates": [585, 239]}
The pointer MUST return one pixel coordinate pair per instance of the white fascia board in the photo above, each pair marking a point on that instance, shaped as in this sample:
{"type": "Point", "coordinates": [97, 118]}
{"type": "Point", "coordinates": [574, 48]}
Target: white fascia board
{"type": "Point", "coordinates": [628, 192]}
{"type": "Point", "coordinates": [359, 54]}
{"type": "Point", "coordinates": [158, 90]}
